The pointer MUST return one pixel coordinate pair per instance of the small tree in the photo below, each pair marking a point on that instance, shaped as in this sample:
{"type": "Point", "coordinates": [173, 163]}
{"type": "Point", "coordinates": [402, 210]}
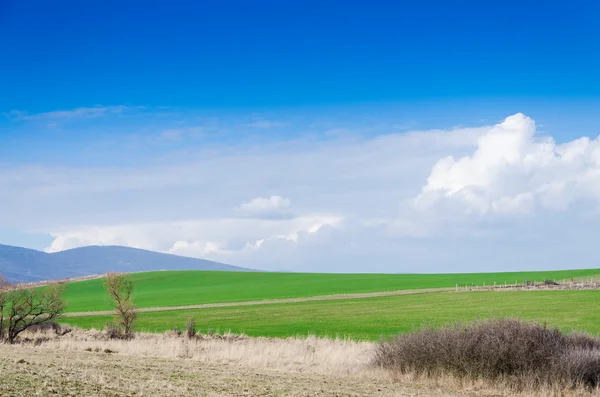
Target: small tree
{"type": "Point", "coordinates": [4, 288]}
{"type": "Point", "coordinates": [120, 289]}
{"type": "Point", "coordinates": [27, 307]}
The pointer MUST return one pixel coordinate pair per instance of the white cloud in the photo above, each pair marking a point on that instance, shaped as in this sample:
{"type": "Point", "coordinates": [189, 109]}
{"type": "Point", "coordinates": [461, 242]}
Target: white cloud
{"type": "Point", "coordinates": [219, 238]}
{"type": "Point", "coordinates": [174, 134]}
{"type": "Point", "coordinates": [265, 207]}
{"type": "Point", "coordinates": [195, 248]}
{"type": "Point", "coordinates": [513, 170]}
{"type": "Point", "coordinates": [496, 197]}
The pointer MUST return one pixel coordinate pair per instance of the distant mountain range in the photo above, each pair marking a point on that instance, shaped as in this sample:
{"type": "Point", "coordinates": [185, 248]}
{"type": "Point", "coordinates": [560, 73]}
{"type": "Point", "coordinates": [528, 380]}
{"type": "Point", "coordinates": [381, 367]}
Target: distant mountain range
{"type": "Point", "coordinates": [27, 265]}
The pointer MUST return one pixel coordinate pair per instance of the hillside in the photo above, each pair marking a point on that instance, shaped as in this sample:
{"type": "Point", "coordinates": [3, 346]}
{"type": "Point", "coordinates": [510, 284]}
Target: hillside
{"type": "Point", "coordinates": [425, 302]}
{"type": "Point", "coordinates": [372, 318]}
{"type": "Point", "coordinates": [22, 264]}
{"type": "Point", "coordinates": [162, 289]}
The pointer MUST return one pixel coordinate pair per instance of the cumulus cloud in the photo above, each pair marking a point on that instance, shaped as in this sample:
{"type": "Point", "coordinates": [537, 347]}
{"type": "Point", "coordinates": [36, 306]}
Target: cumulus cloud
{"type": "Point", "coordinates": [514, 171]}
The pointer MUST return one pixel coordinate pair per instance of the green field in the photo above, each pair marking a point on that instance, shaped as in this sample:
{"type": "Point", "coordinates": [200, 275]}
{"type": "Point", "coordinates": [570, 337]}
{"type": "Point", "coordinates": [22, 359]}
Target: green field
{"type": "Point", "coordinates": [178, 288]}
{"type": "Point", "coordinates": [372, 318]}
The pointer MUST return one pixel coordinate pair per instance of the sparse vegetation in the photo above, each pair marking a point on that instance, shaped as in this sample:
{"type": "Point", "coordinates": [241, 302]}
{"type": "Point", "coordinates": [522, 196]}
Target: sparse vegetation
{"type": "Point", "coordinates": [120, 289]}
{"type": "Point", "coordinates": [221, 365]}
{"type": "Point", "coordinates": [516, 354]}
{"type": "Point", "coordinates": [230, 364]}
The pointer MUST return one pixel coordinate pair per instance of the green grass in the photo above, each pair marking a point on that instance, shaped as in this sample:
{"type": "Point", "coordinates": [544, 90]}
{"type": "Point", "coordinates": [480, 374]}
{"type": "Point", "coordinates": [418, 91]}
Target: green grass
{"type": "Point", "coordinates": [375, 317]}
{"type": "Point", "coordinates": [174, 288]}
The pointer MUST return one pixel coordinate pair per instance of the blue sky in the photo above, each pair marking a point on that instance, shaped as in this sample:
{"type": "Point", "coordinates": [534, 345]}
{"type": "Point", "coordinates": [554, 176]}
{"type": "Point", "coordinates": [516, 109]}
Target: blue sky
{"type": "Point", "coordinates": [69, 54]}
{"type": "Point", "coordinates": [252, 132]}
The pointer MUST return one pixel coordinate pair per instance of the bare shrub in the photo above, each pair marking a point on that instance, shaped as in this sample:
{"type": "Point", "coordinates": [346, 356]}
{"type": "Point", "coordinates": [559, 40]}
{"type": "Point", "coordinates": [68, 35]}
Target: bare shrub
{"type": "Point", "coordinates": [120, 289]}
{"type": "Point", "coordinates": [45, 327]}
{"type": "Point", "coordinates": [550, 282]}
{"type": "Point", "coordinates": [520, 354]}
{"type": "Point", "coordinates": [191, 328]}
{"type": "Point", "coordinates": [114, 332]}
{"type": "Point", "coordinates": [580, 367]}
{"type": "Point", "coordinates": [50, 326]}
{"type": "Point", "coordinates": [579, 340]}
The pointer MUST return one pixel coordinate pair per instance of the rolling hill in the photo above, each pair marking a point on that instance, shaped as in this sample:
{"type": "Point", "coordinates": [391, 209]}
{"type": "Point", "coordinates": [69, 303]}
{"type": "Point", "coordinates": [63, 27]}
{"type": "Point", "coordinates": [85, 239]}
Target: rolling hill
{"type": "Point", "coordinates": [22, 264]}
{"type": "Point", "coordinates": [180, 288]}
{"type": "Point", "coordinates": [168, 293]}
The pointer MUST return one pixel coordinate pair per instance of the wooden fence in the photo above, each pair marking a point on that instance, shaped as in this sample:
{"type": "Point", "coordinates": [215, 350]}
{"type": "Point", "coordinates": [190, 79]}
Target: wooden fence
{"type": "Point", "coordinates": [533, 285]}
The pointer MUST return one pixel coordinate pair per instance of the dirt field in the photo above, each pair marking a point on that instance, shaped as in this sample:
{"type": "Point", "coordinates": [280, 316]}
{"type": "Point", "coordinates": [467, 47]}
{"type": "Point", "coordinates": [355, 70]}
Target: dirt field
{"type": "Point", "coordinates": [82, 365]}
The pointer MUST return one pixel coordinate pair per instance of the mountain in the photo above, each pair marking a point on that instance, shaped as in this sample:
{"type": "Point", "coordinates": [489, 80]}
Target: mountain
{"type": "Point", "coordinates": [22, 264]}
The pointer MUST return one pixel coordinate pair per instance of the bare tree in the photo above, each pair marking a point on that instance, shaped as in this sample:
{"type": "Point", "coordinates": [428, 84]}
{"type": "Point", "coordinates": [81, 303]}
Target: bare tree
{"type": "Point", "coordinates": [120, 289]}
{"type": "Point", "coordinates": [26, 307]}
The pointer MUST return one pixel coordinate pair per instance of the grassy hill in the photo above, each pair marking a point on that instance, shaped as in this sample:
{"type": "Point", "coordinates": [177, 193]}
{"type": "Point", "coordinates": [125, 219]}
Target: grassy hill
{"type": "Point", "coordinates": [375, 317]}
{"type": "Point", "coordinates": [178, 288]}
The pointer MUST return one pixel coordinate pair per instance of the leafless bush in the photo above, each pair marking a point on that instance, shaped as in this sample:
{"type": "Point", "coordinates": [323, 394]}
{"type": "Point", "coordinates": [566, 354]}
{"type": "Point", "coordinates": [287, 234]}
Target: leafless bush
{"type": "Point", "coordinates": [114, 332]}
{"type": "Point", "coordinates": [550, 282]}
{"type": "Point", "coordinates": [578, 340]}
{"type": "Point", "coordinates": [191, 328]}
{"type": "Point", "coordinates": [580, 367]}
{"type": "Point", "coordinates": [44, 327]}
{"type": "Point", "coordinates": [522, 355]}
{"type": "Point", "coordinates": [58, 329]}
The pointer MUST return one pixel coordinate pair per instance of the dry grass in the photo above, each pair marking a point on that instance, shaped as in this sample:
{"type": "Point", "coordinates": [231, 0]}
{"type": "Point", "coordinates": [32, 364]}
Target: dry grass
{"type": "Point", "coordinates": [293, 354]}
{"type": "Point", "coordinates": [30, 371]}
{"type": "Point", "coordinates": [90, 363]}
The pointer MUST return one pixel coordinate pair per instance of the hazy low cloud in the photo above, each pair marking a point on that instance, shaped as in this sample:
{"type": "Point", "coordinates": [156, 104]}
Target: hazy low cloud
{"type": "Point", "coordinates": [78, 113]}
{"type": "Point", "coordinates": [265, 207]}
{"type": "Point", "coordinates": [485, 198]}
{"type": "Point", "coordinates": [264, 124]}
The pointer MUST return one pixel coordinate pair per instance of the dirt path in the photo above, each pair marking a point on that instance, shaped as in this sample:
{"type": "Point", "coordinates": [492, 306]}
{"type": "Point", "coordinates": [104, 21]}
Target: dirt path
{"type": "Point", "coordinates": [273, 301]}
